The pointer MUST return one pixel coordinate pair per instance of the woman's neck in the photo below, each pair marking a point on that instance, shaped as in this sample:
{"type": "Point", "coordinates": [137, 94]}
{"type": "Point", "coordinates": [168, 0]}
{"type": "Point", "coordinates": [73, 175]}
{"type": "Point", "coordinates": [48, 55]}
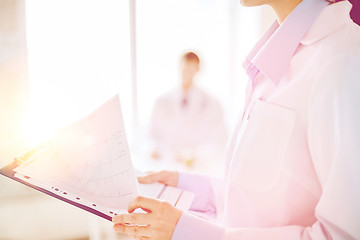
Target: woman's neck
{"type": "Point", "coordinates": [283, 8]}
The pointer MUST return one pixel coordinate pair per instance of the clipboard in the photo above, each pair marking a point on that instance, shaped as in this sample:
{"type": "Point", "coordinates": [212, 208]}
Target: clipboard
{"type": "Point", "coordinates": [117, 168]}
{"type": "Point", "coordinates": [183, 201]}
{"type": "Point", "coordinates": [8, 171]}
{"type": "Point", "coordinates": [30, 155]}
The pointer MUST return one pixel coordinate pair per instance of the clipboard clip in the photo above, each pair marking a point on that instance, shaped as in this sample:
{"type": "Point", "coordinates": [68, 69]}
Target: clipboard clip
{"type": "Point", "coordinates": [31, 154]}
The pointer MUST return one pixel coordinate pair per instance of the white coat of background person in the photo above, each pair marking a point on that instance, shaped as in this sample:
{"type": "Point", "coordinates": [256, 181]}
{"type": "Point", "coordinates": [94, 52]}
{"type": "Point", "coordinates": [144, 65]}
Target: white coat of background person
{"type": "Point", "coordinates": [188, 123]}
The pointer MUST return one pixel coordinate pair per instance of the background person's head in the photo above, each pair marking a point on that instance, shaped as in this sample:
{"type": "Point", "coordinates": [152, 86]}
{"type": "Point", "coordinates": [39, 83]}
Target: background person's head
{"type": "Point", "coordinates": [190, 66]}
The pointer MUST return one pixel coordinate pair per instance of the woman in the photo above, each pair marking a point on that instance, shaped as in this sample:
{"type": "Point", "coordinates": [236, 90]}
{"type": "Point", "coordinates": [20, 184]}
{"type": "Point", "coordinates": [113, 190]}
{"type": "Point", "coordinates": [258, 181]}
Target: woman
{"type": "Point", "coordinates": [293, 163]}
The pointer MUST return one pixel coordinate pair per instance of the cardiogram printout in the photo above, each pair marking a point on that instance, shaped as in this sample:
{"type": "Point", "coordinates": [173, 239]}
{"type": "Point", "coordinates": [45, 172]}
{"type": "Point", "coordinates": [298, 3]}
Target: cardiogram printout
{"type": "Point", "coordinates": [89, 158]}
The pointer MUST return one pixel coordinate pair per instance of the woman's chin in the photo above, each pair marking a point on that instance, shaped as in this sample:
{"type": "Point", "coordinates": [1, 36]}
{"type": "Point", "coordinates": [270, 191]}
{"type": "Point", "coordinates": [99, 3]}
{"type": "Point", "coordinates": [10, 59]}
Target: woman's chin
{"type": "Point", "coordinates": [252, 3]}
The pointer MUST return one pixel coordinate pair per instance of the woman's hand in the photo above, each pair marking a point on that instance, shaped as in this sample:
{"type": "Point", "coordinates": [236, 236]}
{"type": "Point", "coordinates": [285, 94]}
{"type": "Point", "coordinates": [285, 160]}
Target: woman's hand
{"type": "Point", "coordinates": [169, 178]}
{"type": "Point", "coordinates": [157, 224]}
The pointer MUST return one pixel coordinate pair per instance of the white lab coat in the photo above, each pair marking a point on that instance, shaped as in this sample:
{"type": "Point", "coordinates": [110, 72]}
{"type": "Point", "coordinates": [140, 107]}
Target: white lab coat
{"type": "Point", "coordinates": [297, 161]}
{"type": "Point", "coordinates": [195, 128]}
{"type": "Point", "coordinates": [293, 163]}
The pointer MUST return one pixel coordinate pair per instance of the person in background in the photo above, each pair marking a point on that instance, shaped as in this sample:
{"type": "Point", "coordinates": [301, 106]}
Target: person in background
{"type": "Point", "coordinates": [188, 123]}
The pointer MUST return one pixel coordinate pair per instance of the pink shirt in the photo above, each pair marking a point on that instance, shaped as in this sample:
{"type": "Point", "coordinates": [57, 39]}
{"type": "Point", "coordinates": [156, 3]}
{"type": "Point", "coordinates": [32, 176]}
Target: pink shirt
{"type": "Point", "coordinates": [292, 168]}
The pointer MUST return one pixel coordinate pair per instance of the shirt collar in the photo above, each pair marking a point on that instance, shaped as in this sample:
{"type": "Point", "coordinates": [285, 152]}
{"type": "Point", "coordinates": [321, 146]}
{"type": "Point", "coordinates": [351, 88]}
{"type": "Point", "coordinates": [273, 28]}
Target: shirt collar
{"type": "Point", "coordinates": [318, 30]}
{"type": "Point", "coordinates": [273, 52]}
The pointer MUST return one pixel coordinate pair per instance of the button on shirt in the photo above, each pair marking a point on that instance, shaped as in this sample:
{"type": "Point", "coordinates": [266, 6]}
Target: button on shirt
{"type": "Point", "coordinates": [292, 166]}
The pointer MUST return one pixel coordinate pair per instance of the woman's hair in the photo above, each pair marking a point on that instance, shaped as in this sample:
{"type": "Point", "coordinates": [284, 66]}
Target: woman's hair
{"type": "Point", "coordinates": [355, 3]}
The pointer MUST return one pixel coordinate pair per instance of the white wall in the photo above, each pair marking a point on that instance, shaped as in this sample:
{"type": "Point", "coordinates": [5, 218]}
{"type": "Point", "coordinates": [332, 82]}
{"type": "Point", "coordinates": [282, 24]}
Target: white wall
{"type": "Point", "coordinates": [13, 78]}
{"type": "Point", "coordinates": [222, 32]}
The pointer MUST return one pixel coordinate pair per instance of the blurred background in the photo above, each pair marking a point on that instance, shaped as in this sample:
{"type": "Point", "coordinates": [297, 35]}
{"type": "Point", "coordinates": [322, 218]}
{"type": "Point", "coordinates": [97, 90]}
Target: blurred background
{"type": "Point", "coordinates": [60, 59]}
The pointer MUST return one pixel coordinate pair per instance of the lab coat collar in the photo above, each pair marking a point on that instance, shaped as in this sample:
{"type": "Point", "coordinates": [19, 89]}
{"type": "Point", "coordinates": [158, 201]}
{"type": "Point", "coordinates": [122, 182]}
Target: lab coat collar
{"type": "Point", "coordinates": [335, 15]}
{"type": "Point", "coordinates": [273, 52]}
{"type": "Point", "coordinates": [180, 92]}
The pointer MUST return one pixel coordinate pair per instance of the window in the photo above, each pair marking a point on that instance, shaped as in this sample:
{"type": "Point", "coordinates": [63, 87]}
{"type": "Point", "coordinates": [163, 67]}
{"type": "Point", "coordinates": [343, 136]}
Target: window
{"type": "Point", "coordinates": [78, 58]}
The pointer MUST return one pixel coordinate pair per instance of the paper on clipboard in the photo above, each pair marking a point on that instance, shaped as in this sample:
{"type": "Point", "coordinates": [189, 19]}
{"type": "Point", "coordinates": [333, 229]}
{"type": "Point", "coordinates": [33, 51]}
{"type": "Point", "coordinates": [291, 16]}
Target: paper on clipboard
{"type": "Point", "coordinates": [89, 160]}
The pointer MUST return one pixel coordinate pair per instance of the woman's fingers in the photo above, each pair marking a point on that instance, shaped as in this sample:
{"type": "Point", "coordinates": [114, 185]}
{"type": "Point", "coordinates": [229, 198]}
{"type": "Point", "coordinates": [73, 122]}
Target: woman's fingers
{"type": "Point", "coordinates": [166, 177]}
{"type": "Point", "coordinates": [151, 178]}
{"type": "Point", "coordinates": [133, 218]}
{"type": "Point", "coordinates": [158, 224]}
{"type": "Point", "coordinates": [144, 203]}
{"type": "Point", "coordinates": [134, 230]}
